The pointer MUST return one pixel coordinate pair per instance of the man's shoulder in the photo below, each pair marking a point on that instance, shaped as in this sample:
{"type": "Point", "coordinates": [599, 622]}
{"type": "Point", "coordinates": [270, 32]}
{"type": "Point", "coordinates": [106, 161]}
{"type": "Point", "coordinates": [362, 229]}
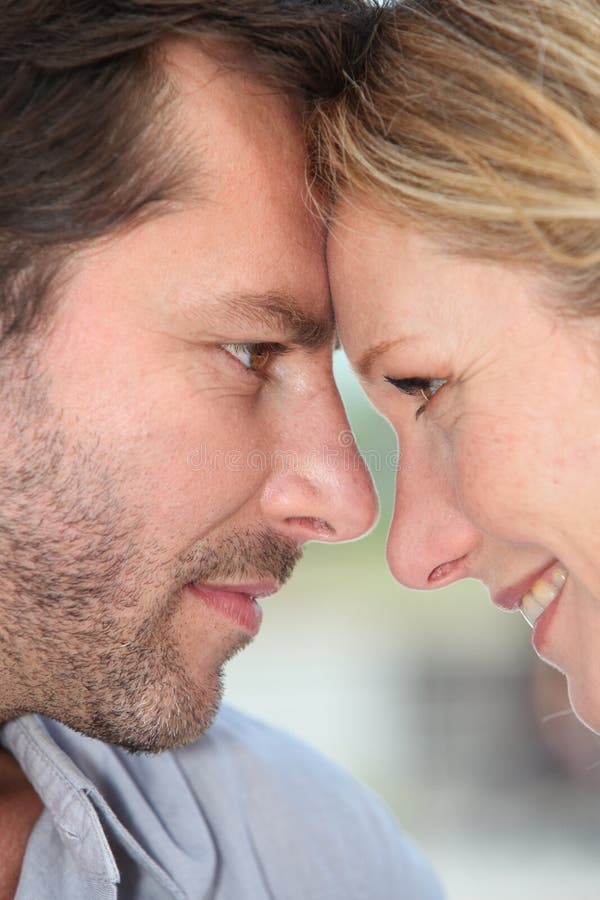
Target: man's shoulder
{"type": "Point", "coordinates": [260, 751]}
{"type": "Point", "coordinates": [256, 756]}
{"type": "Point", "coordinates": [266, 799]}
{"type": "Point", "coordinates": [259, 760]}
{"type": "Point", "coordinates": [295, 796]}
{"type": "Point", "coordinates": [253, 742]}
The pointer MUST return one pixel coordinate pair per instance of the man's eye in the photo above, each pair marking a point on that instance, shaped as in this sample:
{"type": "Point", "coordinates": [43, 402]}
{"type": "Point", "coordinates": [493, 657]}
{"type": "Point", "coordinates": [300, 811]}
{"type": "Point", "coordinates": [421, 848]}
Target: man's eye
{"type": "Point", "coordinates": [254, 356]}
{"type": "Point", "coordinates": [418, 387]}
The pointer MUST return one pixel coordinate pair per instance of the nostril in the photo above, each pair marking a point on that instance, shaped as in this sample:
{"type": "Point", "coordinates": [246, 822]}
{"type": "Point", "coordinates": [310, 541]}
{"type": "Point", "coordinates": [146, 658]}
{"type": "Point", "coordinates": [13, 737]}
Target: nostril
{"type": "Point", "coordinates": [319, 526]}
{"type": "Point", "coordinates": [445, 570]}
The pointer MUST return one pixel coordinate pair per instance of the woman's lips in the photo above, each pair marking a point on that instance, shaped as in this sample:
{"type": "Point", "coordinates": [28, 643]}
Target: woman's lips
{"type": "Point", "coordinates": [543, 592]}
{"type": "Point", "coordinates": [534, 593]}
{"type": "Point", "coordinates": [538, 599]}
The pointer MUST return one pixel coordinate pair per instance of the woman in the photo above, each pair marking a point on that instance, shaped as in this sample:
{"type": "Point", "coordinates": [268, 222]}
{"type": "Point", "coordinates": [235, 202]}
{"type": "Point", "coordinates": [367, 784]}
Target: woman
{"type": "Point", "coordinates": [465, 269]}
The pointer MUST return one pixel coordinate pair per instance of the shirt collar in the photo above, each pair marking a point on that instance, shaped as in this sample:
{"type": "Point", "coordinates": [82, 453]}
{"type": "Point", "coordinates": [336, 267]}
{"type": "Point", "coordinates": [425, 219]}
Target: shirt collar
{"type": "Point", "coordinates": [65, 792]}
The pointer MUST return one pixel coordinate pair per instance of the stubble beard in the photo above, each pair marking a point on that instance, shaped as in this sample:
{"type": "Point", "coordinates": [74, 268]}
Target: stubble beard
{"type": "Point", "coordinates": [75, 566]}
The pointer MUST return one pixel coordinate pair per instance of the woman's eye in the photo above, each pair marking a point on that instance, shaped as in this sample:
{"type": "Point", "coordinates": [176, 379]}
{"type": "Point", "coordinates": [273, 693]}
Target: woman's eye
{"type": "Point", "coordinates": [418, 387]}
{"type": "Point", "coordinates": [254, 356]}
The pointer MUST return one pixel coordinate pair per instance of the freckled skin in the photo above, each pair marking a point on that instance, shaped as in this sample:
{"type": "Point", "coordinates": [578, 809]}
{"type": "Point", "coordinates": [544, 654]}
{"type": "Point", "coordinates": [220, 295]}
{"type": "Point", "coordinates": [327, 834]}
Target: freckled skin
{"type": "Point", "coordinates": [497, 475]}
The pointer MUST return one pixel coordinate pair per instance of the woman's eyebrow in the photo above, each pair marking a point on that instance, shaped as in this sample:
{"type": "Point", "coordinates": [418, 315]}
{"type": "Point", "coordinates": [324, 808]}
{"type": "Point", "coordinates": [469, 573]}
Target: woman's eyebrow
{"type": "Point", "coordinates": [369, 357]}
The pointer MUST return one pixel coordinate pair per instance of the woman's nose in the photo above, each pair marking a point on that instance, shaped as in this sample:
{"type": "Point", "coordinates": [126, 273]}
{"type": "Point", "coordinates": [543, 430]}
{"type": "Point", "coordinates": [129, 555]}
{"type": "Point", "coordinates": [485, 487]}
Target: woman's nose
{"type": "Point", "coordinates": [430, 540]}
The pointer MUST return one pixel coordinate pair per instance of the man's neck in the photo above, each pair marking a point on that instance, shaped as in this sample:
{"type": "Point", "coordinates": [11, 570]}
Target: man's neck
{"type": "Point", "coordinates": [20, 808]}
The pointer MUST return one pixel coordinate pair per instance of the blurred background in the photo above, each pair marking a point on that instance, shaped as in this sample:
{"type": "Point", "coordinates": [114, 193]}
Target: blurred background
{"type": "Point", "coordinates": [435, 700]}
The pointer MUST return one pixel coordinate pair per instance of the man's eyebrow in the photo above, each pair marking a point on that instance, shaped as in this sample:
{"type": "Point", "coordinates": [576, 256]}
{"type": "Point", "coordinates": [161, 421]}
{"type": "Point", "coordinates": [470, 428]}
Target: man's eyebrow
{"type": "Point", "coordinates": [283, 313]}
{"type": "Point", "coordinates": [369, 357]}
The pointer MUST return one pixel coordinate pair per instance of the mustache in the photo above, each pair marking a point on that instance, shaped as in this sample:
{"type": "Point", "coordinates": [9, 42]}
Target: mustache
{"type": "Point", "coordinates": [250, 555]}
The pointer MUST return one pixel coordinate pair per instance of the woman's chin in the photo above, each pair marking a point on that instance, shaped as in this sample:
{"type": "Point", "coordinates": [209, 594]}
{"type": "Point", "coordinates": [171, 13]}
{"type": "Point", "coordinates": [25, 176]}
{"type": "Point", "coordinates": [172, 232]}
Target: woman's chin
{"type": "Point", "coordinates": [585, 703]}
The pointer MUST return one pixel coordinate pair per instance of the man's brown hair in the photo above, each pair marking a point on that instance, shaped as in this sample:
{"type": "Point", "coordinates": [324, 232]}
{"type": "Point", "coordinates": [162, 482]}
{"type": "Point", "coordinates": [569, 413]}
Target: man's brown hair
{"type": "Point", "coordinates": [82, 93]}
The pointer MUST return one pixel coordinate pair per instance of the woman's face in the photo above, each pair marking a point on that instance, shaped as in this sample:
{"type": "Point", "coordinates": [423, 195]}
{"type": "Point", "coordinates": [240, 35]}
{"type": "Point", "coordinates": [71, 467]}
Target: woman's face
{"type": "Point", "coordinates": [495, 398]}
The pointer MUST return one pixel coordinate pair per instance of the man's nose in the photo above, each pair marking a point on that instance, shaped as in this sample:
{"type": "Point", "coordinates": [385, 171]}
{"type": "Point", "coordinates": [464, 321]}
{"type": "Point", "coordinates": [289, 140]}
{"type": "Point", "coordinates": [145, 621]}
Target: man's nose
{"type": "Point", "coordinates": [319, 487]}
{"type": "Point", "coordinates": [430, 542]}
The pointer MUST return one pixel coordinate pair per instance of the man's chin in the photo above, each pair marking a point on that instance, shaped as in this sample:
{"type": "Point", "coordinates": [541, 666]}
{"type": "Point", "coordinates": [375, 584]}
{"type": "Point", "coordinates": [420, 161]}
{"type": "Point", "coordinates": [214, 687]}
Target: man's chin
{"type": "Point", "coordinates": [168, 736]}
{"type": "Point", "coordinates": [171, 716]}
{"type": "Point", "coordinates": [171, 705]}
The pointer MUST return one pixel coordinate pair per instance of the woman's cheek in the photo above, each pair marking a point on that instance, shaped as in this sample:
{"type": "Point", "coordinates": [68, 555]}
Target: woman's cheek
{"type": "Point", "coordinates": [489, 488]}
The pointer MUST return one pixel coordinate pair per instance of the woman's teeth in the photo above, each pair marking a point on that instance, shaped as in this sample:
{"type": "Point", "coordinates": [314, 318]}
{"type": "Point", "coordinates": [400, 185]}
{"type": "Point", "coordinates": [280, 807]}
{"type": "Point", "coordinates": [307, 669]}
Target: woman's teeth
{"type": "Point", "coordinates": [542, 594]}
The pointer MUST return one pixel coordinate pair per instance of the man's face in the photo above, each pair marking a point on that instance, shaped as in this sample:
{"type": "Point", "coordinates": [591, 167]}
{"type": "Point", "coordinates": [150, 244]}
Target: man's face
{"type": "Point", "coordinates": [156, 472]}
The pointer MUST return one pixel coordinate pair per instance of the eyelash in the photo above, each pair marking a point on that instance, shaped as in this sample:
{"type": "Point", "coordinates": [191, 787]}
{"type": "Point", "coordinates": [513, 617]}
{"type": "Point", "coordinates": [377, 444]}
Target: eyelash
{"type": "Point", "coordinates": [424, 387]}
{"type": "Point", "coordinates": [265, 350]}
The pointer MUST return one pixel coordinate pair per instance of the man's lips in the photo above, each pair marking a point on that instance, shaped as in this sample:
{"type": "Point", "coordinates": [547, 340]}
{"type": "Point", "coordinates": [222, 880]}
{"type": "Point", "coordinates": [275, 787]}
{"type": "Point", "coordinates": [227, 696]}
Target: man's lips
{"type": "Point", "coordinates": [254, 591]}
{"type": "Point", "coordinates": [236, 602]}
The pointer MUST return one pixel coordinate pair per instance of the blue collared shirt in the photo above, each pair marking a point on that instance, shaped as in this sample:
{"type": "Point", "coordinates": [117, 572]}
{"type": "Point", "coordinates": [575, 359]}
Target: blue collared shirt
{"type": "Point", "coordinates": [244, 813]}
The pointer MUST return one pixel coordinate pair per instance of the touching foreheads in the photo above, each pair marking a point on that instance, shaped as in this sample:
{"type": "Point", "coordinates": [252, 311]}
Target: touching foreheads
{"type": "Point", "coordinates": [88, 144]}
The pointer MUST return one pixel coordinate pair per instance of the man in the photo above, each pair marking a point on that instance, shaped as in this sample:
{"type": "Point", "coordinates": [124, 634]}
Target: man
{"type": "Point", "coordinates": [165, 302]}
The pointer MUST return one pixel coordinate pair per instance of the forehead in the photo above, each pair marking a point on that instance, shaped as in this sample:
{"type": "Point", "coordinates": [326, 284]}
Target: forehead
{"type": "Point", "coordinates": [389, 280]}
{"type": "Point", "coordinates": [380, 275]}
{"type": "Point", "coordinates": [222, 106]}
{"type": "Point", "coordinates": [246, 162]}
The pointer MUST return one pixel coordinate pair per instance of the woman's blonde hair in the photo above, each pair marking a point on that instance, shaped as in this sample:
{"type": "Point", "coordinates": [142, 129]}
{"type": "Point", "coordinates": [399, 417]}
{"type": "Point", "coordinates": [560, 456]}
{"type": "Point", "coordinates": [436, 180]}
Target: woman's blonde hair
{"type": "Point", "coordinates": [479, 120]}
